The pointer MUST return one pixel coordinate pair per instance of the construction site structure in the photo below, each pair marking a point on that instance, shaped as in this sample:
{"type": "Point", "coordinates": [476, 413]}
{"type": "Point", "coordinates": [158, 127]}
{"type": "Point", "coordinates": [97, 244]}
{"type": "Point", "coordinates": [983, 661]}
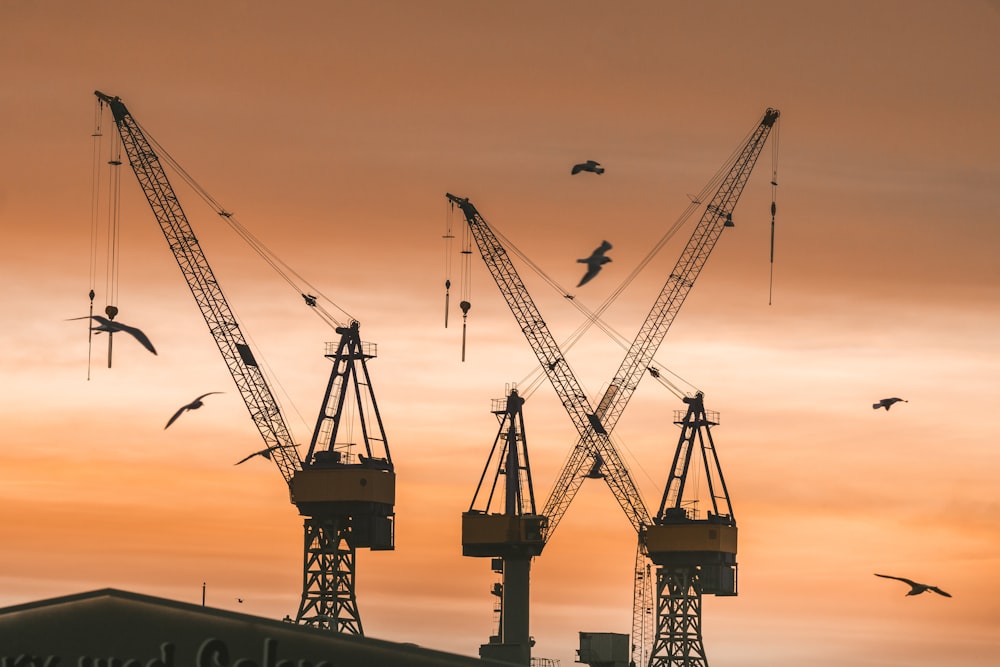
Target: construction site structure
{"type": "Point", "coordinates": [344, 489]}
{"type": "Point", "coordinates": [694, 554]}
{"type": "Point", "coordinates": [595, 455]}
{"type": "Point", "coordinates": [502, 524]}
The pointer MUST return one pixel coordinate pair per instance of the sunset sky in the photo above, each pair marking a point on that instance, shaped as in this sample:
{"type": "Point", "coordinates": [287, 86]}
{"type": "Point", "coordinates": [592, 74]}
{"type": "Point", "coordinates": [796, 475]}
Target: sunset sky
{"type": "Point", "coordinates": [333, 131]}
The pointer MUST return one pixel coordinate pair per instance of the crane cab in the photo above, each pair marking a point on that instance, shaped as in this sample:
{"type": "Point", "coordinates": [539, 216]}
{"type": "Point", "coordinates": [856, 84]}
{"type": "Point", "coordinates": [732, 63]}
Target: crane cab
{"type": "Point", "coordinates": [501, 534]}
{"type": "Point", "coordinates": [362, 492]}
{"type": "Point", "coordinates": [708, 545]}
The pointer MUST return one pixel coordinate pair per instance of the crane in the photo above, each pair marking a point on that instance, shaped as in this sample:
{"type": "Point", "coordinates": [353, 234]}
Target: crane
{"type": "Point", "coordinates": [344, 491]}
{"type": "Point", "coordinates": [511, 535]}
{"type": "Point", "coordinates": [694, 554]}
{"type": "Point", "coordinates": [594, 436]}
{"type": "Point", "coordinates": [516, 534]}
{"type": "Point", "coordinates": [594, 452]}
{"type": "Point", "coordinates": [716, 218]}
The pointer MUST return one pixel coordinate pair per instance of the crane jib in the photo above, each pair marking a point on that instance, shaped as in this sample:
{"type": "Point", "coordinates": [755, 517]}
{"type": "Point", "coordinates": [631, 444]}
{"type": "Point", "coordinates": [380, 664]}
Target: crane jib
{"type": "Point", "coordinates": [205, 288]}
{"type": "Point", "coordinates": [597, 424]}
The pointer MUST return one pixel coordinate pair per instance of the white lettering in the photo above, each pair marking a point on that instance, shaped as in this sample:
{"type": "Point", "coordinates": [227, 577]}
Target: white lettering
{"type": "Point", "coordinates": [212, 653]}
{"type": "Point", "coordinates": [166, 658]}
{"type": "Point", "coordinates": [28, 660]}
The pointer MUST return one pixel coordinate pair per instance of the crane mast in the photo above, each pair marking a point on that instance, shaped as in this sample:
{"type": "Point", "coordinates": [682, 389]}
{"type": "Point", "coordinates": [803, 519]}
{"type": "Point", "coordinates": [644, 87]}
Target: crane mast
{"type": "Point", "coordinates": [346, 497]}
{"type": "Point", "coordinates": [507, 529]}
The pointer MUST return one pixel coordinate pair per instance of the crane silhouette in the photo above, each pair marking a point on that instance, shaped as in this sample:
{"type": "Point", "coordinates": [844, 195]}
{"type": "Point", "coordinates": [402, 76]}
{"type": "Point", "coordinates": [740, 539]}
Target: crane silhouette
{"type": "Point", "coordinates": [679, 587]}
{"type": "Point", "coordinates": [345, 489]}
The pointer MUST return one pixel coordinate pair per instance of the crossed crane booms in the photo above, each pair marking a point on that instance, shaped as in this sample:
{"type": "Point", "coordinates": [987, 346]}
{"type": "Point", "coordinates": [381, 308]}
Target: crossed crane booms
{"type": "Point", "coordinates": [595, 439]}
{"type": "Point", "coordinates": [594, 426]}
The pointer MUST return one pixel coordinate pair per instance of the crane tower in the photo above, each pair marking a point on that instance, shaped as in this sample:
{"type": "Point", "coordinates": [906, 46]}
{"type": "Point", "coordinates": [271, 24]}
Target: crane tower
{"type": "Point", "coordinates": [511, 536]}
{"type": "Point", "coordinates": [694, 554]}
{"type": "Point", "coordinates": [344, 490]}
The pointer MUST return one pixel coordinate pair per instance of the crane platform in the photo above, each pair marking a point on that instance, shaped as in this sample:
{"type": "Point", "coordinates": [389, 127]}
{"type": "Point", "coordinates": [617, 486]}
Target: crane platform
{"type": "Point", "coordinates": [502, 534]}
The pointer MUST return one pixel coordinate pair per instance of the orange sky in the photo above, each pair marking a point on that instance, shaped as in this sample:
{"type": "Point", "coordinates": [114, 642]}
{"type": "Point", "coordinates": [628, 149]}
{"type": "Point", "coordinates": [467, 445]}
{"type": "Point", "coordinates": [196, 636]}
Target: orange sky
{"type": "Point", "coordinates": [334, 130]}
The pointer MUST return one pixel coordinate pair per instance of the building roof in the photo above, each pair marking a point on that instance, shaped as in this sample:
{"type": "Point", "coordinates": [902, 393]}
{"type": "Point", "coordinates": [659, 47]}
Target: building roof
{"type": "Point", "coordinates": [98, 626]}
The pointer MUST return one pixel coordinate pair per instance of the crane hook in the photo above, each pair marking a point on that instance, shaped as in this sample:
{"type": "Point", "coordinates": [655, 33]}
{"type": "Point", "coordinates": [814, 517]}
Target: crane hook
{"type": "Point", "coordinates": [464, 305]}
{"type": "Point", "coordinates": [447, 295]}
{"type": "Point", "coordinates": [90, 333]}
{"type": "Point", "coordinates": [111, 311]}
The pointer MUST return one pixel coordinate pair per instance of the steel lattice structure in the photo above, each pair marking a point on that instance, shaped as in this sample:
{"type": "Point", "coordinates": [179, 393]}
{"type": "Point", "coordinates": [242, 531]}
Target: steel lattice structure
{"type": "Point", "coordinates": [347, 498]}
{"type": "Point", "coordinates": [594, 450]}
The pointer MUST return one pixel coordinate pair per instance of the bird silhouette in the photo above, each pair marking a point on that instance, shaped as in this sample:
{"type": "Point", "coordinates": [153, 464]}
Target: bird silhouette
{"type": "Point", "coordinates": [110, 326]}
{"type": "Point", "coordinates": [266, 453]}
{"type": "Point", "coordinates": [595, 262]}
{"type": "Point", "coordinates": [589, 165]}
{"type": "Point", "coordinates": [193, 405]}
{"type": "Point", "coordinates": [887, 403]}
{"type": "Point", "coordinates": [916, 588]}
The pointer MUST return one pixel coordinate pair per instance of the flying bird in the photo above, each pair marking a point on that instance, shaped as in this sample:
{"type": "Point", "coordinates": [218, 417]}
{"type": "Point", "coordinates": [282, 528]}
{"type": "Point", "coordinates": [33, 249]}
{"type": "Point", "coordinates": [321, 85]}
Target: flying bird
{"type": "Point", "coordinates": [595, 262]}
{"type": "Point", "coordinates": [916, 588]}
{"type": "Point", "coordinates": [193, 405]}
{"type": "Point", "coordinates": [589, 165]}
{"type": "Point", "coordinates": [887, 403]}
{"type": "Point", "coordinates": [110, 326]}
{"type": "Point", "coordinates": [266, 453]}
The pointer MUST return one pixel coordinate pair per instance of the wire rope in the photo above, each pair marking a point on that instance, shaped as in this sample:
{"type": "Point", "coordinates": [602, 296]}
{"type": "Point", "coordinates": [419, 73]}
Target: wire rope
{"type": "Point", "coordinates": [114, 226]}
{"type": "Point", "coordinates": [774, 207]}
{"type": "Point", "coordinates": [591, 318]}
{"type": "Point", "coordinates": [309, 292]}
{"type": "Point", "coordinates": [310, 295]}
{"type": "Point", "coordinates": [95, 185]}
{"type": "Point", "coordinates": [95, 197]}
{"type": "Point", "coordinates": [449, 238]}
{"type": "Point", "coordinates": [466, 292]}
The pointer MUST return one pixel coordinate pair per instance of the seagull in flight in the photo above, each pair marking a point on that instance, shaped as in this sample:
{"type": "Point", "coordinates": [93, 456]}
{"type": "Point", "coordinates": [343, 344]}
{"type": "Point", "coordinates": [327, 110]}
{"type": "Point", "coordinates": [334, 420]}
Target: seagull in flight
{"type": "Point", "coordinates": [887, 403]}
{"type": "Point", "coordinates": [589, 165]}
{"type": "Point", "coordinates": [110, 326]}
{"type": "Point", "coordinates": [595, 262]}
{"type": "Point", "coordinates": [916, 588]}
{"type": "Point", "coordinates": [266, 453]}
{"type": "Point", "coordinates": [193, 405]}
